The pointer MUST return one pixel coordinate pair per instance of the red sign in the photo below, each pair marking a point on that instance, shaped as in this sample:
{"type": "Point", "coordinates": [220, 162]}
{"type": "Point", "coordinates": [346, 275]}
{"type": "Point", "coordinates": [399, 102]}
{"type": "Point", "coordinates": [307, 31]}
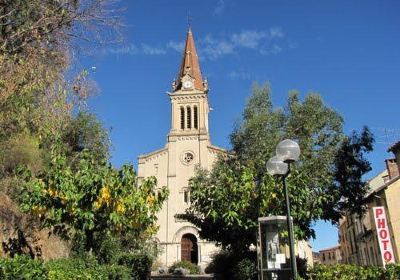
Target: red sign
{"type": "Point", "coordinates": [382, 230]}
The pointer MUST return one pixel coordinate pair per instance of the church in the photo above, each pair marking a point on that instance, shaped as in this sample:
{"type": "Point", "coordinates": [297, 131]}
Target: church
{"type": "Point", "coordinates": [188, 146]}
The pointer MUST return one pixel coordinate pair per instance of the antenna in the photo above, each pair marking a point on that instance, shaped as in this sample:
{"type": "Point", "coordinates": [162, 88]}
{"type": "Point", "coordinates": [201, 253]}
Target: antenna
{"type": "Point", "coordinates": [386, 135]}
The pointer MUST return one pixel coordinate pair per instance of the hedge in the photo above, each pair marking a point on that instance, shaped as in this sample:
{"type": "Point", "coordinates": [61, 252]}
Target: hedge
{"type": "Point", "coordinates": [23, 268]}
{"type": "Point", "coordinates": [354, 272]}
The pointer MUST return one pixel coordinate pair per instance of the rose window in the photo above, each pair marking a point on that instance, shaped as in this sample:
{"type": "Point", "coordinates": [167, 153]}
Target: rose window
{"type": "Point", "coordinates": [188, 157]}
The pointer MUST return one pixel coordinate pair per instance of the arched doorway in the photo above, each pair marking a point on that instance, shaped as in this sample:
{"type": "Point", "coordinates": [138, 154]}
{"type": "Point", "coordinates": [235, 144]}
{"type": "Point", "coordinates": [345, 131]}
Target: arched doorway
{"type": "Point", "coordinates": [189, 248]}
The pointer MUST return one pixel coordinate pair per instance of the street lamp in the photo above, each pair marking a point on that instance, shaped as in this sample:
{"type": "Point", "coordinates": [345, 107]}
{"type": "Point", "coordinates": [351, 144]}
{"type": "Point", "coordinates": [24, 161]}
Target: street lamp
{"type": "Point", "coordinates": [287, 151]}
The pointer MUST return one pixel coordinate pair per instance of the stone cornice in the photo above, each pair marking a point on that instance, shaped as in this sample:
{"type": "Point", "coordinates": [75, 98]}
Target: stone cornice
{"type": "Point", "coordinates": [153, 155]}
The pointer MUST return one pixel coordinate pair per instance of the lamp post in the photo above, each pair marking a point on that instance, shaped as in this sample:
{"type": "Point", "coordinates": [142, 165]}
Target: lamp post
{"type": "Point", "coordinates": [287, 152]}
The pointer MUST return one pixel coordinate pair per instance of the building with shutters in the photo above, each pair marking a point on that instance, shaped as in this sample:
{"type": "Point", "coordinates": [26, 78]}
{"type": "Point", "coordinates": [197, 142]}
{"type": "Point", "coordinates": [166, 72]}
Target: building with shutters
{"type": "Point", "coordinates": [188, 145]}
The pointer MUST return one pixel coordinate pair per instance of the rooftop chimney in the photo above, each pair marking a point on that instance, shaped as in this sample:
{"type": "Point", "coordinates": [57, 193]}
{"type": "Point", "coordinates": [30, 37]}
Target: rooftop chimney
{"type": "Point", "coordinates": [392, 165]}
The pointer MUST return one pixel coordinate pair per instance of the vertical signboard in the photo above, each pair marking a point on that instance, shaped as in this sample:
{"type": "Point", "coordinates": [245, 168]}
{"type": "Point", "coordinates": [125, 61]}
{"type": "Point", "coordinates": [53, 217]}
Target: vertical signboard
{"type": "Point", "coordinates": [382, 230]}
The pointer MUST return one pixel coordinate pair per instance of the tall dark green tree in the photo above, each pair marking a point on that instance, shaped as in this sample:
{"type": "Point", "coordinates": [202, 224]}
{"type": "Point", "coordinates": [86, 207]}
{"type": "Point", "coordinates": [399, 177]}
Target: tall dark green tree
{"type": "Point", "coordinates": [226, 202]}
{"type": "Point", "coordinates": [350, 167]}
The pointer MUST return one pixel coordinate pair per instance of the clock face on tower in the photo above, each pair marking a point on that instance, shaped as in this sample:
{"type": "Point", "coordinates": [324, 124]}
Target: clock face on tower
{"type": "Point", "coordinates": [187, 84]}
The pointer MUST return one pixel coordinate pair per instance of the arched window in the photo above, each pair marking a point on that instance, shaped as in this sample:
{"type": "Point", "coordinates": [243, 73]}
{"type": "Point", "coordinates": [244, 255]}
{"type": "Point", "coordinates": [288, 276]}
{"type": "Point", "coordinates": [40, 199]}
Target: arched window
{"type": "Point", "coordinates": [182, 118]}
{"type": "Point", "coordinates": [189, 117]}
{"type": "Point", "coordinates": [195, 117]}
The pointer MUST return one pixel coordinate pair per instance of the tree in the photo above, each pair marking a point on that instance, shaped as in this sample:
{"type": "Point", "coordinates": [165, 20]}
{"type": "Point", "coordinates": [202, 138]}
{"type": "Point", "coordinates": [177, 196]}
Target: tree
{"type": "Point", "coordinates": [86, 132]}
{"type": "Point", "coordinates": [226, 202]}
{"type": "Point", "coordinates": [350, 166]}
{"type": "Point", "coordinates": [93, 200]}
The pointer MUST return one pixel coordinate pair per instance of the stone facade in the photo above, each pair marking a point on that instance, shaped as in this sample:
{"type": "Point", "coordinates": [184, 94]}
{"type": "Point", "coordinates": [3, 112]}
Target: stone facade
{"type": "Point", "coordinates": [330, 256]}
{"type": "Point", "coordinates": [188, 146]}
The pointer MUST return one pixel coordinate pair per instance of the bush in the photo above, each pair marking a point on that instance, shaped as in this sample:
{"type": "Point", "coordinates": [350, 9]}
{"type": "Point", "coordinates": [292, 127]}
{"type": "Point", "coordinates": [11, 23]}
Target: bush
{"type": "Point", "coordinates": [222, 265]}
{"type": "Point", "coordinates": [354, 272]}
{"type": "Point", "coordinates": [191, 267]}
{"type": "Point", "coordinates": [73, 268]}
{"type": "Point", "coordinates": [246, 269]}
{"type": "Point", "coordinates": [139, 264]}
{"type": "Point", "coordinates": [22, 267]}
{"type": "Point", "coordinates": [228, 265]}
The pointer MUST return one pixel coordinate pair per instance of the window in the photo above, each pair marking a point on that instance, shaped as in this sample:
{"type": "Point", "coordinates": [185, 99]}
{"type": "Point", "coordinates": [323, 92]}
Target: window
{"type": "Point", "coordinates": [182, 118]}
{"type": "Point", "coordinates": [188, 157]}
{"type": "Point", "coordinates": [195, 117]}
{"type": "Point", "coordinates": [186, 196]}
{"type": "Point", "coordinates": [189, 117]}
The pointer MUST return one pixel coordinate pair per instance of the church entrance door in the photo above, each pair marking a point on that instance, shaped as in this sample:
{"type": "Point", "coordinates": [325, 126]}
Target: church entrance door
{"type": "Point", "coordinates": [189, 248]}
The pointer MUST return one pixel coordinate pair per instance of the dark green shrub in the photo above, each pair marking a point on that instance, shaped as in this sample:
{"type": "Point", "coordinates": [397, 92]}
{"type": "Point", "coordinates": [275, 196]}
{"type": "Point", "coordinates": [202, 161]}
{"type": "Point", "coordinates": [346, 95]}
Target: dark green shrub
{"type": "Point", "coordinates": [246, 269]}
{"type": "Point", "coordinates": [22, 267]}
{"type": "Point", "coordinates": [222, 265]}
{"type": "Point", "coordinates": [229, 265]}
{"type": "Point", "coordinates": [138, 263]}
{"type": "Point", "coordinates": [191, 267]}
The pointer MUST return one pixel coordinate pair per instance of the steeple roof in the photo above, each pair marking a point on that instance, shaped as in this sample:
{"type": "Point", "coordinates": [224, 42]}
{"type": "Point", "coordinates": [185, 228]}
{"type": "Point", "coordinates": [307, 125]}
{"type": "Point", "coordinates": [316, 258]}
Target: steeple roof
{"type": "Point", "coordinates": [190, 64]}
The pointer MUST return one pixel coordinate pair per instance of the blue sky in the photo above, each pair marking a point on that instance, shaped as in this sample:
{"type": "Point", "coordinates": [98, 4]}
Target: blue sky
{"type": "Point", "coordinates": [348, 51]}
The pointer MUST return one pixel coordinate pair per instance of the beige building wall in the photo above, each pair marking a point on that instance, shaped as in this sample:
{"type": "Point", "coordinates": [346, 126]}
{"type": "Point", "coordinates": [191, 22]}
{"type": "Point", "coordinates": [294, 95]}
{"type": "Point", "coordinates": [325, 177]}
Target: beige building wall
{"type": "Point", "coordinates": [330, 256]}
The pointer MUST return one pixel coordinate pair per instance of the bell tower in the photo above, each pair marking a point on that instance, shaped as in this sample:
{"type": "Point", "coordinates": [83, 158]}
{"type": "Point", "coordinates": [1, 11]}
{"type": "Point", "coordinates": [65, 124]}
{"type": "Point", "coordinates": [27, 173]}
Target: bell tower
{"type": "Point", "coordinates": [189, 98]}
{"type": "Point", "coordinates": [188, 147]}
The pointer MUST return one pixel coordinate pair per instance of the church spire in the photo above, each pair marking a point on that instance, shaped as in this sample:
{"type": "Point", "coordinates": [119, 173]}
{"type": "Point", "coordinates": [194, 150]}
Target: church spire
{"type": "Point", "coordinates": [190, 66]}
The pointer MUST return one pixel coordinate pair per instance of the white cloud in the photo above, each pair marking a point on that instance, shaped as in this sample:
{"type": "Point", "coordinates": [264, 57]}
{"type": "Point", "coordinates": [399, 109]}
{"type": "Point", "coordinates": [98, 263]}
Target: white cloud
{"type": "Point", "coordinates": [266, 42]}
{"type": "Point", "coordinates": [276, 32]}
{"type": "Point", "coordinates": [213, 48]}
{"type": "Point", "coordinates": [219, 8]}
{"type": "Point", "coordinates": [243, 75]}
{"type": "Point", "coordinates": [248, 38]}
{"type": "Point", "coordinates": [177, 46]}
{"type": "Point", "coordinates": [270, 50]}
{"type": "Point", "coordinates": [146, 49]}
{"type": "Point", "coordinates": [129, 49]}
{"type": "Point", "coordinates": [132, 49]}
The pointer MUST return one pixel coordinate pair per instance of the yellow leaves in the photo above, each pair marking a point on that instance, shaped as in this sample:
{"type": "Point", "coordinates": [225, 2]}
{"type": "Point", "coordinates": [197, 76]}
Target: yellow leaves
{"type": "Point", "coordinates": [105, 194]}
{"type": "Point", "coordinates": [39, 210]}
{"type": "Point", "coordinates": [120, 208]}
{"type": "Point", "coordinates": [104, 198]}
{"type": "Point", "coordinates": [150, 200]}
{"type": "Point", "coordinates": [97, 204]}
{"type": "Point", "coordinates": [52, 192]}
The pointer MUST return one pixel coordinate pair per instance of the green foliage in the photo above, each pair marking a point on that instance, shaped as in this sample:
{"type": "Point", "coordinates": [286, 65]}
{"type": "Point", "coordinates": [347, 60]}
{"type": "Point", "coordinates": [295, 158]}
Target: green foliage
{"type": "Point", "coordinates": [85, 132]}
{"type": "Point", "coordinates": [226, 202]}
{"type": "Point", "coordinates": [95, 198]}
{"type": "Point", "coordinates": [222, 265]}
{"type": "Point", "coordinates": [191, 267]}
{"type": "Point", "coordinates": [88, 268]}
{"type": "Point", "coordinates": [22, 267]}
{"type": "Point", "coordinates": [230, 265]}
{"type": "Point", "coordinates": [246, 270]}
{"type": "Point", "coordinates": [354, 272]}
{"type": "Point", "coordinates": [349, 168]}
{"type": "Point", "coordinates": [139, 264]}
